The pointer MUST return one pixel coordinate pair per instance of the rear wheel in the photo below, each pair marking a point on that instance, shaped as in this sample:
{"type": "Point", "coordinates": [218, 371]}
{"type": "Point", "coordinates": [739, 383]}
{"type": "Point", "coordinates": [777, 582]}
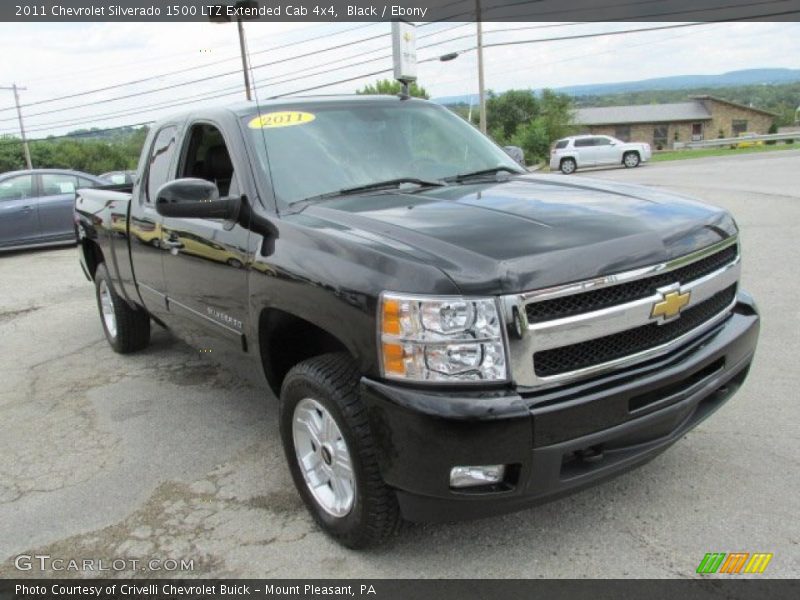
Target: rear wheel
{"type": "Point", "coordinates": [631, 159]}
{"type": "Point", "coordinates": [568, 166]}
{"type": "Point", "coordinates": [332, 454]}
{"type": "Point", "coordinates": [126, 329]}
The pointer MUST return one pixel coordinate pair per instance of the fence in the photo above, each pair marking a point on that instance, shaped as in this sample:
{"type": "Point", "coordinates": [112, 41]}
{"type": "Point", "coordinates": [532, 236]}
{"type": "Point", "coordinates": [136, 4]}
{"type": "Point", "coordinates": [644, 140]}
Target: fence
{"type": "Point", "coordinates": [795, 135]}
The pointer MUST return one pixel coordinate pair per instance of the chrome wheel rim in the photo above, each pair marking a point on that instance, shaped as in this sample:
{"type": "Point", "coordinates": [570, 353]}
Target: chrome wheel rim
{"type": "Point", "coordinates": [568, 166]}
{"type": "Point", "coordinates": [323, 457]}
{"type": "Point", "coordinates": [631, 160]}
{"type": "Point", "coordinates": [107, 309]}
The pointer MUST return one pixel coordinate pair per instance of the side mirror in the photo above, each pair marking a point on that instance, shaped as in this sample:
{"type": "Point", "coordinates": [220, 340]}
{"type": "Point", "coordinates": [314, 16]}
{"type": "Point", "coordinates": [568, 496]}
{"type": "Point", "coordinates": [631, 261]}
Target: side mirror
{"type": "Point", "coordinates": [195, 199]}
{"type": "Point", "coordinates": [517, 153]}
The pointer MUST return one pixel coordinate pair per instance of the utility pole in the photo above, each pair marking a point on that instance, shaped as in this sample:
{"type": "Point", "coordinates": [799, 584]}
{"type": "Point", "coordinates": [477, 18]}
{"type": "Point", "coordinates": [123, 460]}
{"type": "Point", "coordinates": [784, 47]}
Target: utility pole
{"type": "Point", "coordinates": [15, 89]}
{"type": "Point", "coordinates": [245, 5]}
{"type": "Point", "coordinates": [245, 66]}
{"type": "Point", "coordinates": [481, 90]}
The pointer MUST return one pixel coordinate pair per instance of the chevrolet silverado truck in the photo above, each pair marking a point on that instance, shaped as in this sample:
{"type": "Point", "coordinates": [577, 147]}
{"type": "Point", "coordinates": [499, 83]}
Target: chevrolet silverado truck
{"type": "Point", "coordinates": [448, 335]}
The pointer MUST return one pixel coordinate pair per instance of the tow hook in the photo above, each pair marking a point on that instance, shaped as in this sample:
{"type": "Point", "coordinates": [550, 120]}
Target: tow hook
{"type": "Point", "coordinates": [592, 454]}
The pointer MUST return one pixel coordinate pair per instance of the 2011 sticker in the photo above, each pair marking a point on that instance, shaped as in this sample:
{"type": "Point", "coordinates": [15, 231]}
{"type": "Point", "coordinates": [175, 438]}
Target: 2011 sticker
{"type": "Point", "coordinates": [284, 118]}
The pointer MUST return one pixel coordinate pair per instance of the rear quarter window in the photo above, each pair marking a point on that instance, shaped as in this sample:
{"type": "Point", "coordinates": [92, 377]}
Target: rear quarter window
{"type": "Point", "coordinates": [562, 144]}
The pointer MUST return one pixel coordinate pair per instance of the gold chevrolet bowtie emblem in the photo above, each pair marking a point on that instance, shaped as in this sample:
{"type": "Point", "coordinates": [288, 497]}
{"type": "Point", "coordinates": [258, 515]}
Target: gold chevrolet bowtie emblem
{"type": "Point", "coordinates": [407, 36]}
{"type": "Point", "coordinates": [671, 305]}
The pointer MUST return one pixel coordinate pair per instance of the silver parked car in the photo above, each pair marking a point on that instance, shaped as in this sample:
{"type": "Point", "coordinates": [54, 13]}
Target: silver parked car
{"type": "Point", "coordinates": [36, 206]}
{"type": "Point", "coordinates": [580, 151]}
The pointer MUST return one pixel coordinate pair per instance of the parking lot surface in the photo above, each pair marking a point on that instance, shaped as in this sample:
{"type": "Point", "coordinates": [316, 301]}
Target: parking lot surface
{"type": "Point", "coordinates": [165, 455]}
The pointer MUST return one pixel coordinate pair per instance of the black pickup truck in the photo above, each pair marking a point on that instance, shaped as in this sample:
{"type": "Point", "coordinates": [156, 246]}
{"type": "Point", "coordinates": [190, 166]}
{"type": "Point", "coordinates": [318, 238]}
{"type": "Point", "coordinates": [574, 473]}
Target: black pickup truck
{"type": "Point", "coordinates": [449, 335]}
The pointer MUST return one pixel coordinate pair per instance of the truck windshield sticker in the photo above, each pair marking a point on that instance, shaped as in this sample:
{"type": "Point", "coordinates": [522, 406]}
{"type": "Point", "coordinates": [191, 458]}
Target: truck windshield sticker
{"type": "Point", "coordinates": [285, 118]}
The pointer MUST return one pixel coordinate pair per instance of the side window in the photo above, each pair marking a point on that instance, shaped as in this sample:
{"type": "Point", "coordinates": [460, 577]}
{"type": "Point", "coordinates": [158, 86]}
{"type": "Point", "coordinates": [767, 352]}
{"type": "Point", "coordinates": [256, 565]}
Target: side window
{"type": "Point", "coordinates": [601, 141]}
{"type": "Point", "coordinates": [160, 160]}
{"type": "Point", "coordinates": [584, 142]}
{"type": "Point", "coordinates": [16, 188]}
{"type": "Point", "coordinates": [206, 157]}
{"type": "Point", "coordinates": [55, 184]}
{"type": "Point", "coordinates": [562, 144]}
{"type": "Point", "coordinates": [86, 183]}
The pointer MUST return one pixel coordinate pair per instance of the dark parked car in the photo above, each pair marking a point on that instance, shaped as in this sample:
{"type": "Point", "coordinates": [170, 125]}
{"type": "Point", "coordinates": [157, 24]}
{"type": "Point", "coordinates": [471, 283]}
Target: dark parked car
{"type": "Point", "coordinates": [118, 177]}
{"type": "Point", "coordinates": [36, 206]}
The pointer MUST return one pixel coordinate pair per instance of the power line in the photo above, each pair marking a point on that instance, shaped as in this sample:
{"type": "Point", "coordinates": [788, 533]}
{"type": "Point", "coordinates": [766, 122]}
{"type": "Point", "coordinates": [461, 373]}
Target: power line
{"type": "Point", "coordinates": [611, 33]}
{"type": "Point", "coordinates": [222, 95]}
{"type": "Point", "coordinates": [275, 79]}
{"type": "Point", "coordinates": [518, 67]}
{"type": "Point", "coordinates": [186, 56]}
{"type": "Point", "coordinates": [514, 42]}
{"type": "Point", "coordinates": [291, 44]}
{"type": "Point", "coordinates": [306, 55]}
{"type": "Point", "coordinates": [193, 81]}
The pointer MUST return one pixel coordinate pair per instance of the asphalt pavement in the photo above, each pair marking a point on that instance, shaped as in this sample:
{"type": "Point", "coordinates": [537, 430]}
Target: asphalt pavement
{"type": "Point", "coordinates": [163, 455]}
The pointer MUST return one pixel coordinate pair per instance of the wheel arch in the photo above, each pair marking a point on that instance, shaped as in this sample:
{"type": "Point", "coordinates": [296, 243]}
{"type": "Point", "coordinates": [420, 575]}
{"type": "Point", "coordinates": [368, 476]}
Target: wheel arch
{"type": "Point", "coordinates": [631, 151]}
{"type": "Point", "coordinates": [286, 339]}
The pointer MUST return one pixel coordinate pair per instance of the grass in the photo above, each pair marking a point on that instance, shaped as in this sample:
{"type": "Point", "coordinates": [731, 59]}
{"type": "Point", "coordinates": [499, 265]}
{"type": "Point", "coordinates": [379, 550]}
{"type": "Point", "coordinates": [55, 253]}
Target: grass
{"type": "Point", "coordinates": [723, 151]}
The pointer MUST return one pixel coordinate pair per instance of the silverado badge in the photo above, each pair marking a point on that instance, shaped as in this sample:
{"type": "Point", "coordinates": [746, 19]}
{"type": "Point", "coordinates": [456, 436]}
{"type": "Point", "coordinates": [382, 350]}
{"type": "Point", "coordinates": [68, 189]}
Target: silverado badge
{"type": "Point", "coordinates": [670, 305]}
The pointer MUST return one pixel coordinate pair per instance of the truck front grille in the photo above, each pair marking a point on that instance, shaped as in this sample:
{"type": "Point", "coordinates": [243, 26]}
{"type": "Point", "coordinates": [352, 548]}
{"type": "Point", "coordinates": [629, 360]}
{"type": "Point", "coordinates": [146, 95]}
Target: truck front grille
{"type": "Point", "coordinates": [575, 304]}
{"type": "Point", "coordinates": [612, 347]}
{"type": "Point", "coordinates": [569, 332]}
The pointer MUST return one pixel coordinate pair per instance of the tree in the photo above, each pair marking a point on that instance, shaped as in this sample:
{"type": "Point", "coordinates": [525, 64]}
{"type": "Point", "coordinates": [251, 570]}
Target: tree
{"type": "Point", "coordinates": [93, 154]}
{"type": "Point", "coordinates": [392, 87]}
{"type": "Point", "coordinates": [507, 111]}
{"type": "Point", "coordinates": [521, 118]}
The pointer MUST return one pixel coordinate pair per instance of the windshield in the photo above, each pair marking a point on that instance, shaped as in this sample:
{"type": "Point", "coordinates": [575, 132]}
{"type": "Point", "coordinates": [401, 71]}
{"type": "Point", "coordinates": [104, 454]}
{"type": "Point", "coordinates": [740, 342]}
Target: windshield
{"type": "Point", "coordinates": [310, 151]}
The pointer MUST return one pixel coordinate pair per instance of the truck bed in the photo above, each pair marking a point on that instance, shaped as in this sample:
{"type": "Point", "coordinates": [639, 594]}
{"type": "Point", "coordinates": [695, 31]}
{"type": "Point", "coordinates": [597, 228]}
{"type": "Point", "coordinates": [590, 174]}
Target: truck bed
{"type": "Point", "coordinates": [102, 220]}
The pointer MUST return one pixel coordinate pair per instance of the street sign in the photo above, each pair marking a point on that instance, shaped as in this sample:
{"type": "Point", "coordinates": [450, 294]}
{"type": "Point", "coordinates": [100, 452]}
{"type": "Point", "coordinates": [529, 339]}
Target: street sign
{"type": "Point", "coordinates": [404, 49]}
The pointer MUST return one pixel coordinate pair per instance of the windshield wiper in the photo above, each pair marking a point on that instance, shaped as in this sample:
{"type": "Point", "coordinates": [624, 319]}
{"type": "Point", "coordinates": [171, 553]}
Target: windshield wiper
{"type": "Point", "coordinates": [374, 187]}
{"type": "Point", "coordinates": [481, 173]}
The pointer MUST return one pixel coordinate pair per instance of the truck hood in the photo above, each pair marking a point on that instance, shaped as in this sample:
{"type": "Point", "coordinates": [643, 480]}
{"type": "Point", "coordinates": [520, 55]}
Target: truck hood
{"type": "Point", "coordinates": [531, 231]}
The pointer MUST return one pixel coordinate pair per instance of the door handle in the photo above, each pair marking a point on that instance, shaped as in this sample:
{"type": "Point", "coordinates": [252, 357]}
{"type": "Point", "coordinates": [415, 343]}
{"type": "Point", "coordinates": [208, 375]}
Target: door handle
{"type": "Point", "coordinates": [27, 209]}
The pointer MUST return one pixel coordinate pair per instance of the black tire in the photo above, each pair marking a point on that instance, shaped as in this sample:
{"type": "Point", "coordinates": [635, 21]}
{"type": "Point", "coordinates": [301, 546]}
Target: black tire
{"type": "Point", "coordinates": [631, 159]}
{"type": "Point", "coordinates": [332, 381]}
{"type": "Point", "coordinates": [568, 166]}
{"type": "Point", "coordinates": [132, 326]}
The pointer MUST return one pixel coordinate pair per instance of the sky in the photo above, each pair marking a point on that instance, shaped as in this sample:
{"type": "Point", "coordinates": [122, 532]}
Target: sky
{"type": "Point", "coordinates": [60, 59]}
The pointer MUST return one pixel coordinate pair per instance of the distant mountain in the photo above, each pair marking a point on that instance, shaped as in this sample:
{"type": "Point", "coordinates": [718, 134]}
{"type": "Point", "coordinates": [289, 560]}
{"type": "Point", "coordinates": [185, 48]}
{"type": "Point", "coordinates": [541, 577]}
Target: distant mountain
{"type": "Point", "coordinates": [678, 82]}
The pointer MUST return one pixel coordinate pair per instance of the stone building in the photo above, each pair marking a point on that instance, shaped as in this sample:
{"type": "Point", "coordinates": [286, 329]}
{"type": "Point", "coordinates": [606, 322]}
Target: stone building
{"type": "Point", "coordinates": [660, 125]}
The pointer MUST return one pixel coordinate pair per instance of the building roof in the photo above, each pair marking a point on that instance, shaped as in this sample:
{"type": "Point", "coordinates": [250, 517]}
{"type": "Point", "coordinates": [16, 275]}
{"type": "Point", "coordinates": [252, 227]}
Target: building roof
{"type": "Point", "coordinates": [736, 104]}
{"type": "Point", "coordinates": [642, 113]}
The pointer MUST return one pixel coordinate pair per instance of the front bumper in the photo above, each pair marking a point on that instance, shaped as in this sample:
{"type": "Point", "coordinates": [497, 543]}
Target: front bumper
{"type": "Point", "coordinates": [555, 441]}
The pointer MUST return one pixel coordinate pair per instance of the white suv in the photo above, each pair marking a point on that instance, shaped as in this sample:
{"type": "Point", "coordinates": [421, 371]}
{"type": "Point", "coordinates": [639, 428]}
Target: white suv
{"type": "Point", "coordinates": [577, 151]}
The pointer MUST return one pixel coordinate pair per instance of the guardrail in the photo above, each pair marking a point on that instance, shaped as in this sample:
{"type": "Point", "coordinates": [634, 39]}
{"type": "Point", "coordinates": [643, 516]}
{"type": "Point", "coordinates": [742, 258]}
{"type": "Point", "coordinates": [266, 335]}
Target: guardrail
{"type": "Point", "coordinates": [795, 135]}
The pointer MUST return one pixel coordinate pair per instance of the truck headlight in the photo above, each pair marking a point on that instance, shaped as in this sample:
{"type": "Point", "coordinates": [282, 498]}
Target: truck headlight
{"type": "Point", "coordinates": [441, 338]}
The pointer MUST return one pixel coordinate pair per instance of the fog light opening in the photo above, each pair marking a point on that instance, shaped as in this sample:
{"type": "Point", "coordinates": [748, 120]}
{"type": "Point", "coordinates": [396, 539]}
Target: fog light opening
{"type": "Point", "coordinates": [471, 476]}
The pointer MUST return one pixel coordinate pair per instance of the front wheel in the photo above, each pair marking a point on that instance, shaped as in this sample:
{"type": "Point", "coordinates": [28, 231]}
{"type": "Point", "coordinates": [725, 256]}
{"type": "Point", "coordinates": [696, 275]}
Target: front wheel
{"type": "Point", "coordinates": [126, 329]}
{"type": "Point", "coordinates": [332, 454]}
{"type": "Point", "coordinates": [631, 159]}
{"type": "Point", "coordinates": [568, 166]}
